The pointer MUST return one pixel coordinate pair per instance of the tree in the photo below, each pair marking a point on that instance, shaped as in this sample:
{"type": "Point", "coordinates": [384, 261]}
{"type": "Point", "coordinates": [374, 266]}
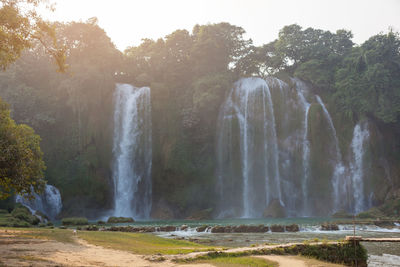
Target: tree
{"type": "Point", "coordinates": [21, 164]}
{"type": "Point", "coordinates": [20, 27]}
{"type": "Point", "coordinates": [368, 83]}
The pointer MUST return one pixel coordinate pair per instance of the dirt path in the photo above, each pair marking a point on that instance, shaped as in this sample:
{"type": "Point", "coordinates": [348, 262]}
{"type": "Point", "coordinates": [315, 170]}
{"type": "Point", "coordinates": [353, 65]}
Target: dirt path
{"type": "Point", "coordinates": [16, 250]}
{"type": "Point", "coordinates": [20, 251]}
{"type": "Point", "coordinates": [297, 261]}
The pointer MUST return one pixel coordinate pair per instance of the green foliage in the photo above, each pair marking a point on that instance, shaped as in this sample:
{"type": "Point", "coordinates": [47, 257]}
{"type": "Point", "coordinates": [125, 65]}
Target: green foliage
{"type": "Point", "coordinates": [21, 164]}
{"type": "Point", "coordinates": [19, 217]}
{"type": "Point", "coordinates": [368, 83]}
{"type": "Point", "coordinates": [120, 220]}
{"type": "Point", "coordinates": [75, 221]}
{"type": "Point", "coordinates": [21, 27]}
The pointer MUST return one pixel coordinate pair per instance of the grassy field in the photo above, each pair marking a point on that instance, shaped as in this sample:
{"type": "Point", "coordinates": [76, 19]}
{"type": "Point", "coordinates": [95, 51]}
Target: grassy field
{"type": "Point", "coordinates": [140, 243]}
{"type": "Point", "coordinates": [237, 262]}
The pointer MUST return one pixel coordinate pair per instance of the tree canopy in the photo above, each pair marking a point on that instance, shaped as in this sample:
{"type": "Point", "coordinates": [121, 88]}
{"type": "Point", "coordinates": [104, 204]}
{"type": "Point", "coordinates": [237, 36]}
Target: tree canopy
{"type": "Point", "coordinates": [21, 26]}
{"type": "Point", "coordinates": [21, 164]}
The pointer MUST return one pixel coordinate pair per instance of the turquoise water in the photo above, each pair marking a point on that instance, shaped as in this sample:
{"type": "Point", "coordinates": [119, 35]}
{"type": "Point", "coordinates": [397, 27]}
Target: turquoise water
{"type": "Point", "coordinates": [303, 221]}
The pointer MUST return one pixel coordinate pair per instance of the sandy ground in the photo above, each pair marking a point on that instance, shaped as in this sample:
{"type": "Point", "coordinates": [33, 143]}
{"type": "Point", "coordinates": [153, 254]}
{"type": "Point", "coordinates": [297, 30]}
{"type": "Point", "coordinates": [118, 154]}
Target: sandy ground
{"type": "Point", "coordinates": [297, 261]}
{"type": "Point", "coordinates": [20, 251]}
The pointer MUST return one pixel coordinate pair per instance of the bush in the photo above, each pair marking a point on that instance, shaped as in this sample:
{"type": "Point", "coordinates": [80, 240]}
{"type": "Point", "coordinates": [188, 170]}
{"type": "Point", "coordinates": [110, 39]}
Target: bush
{"type": "Point", "coordinates": [24, 214]}
{"type": "Point", "coordinates": [120, 220]}
{"type": "Point", "coordinates": [101, 222]}
{"type": "Point", "coordinates": [75, 221]}
{"type": "Point", "coordinates": [2, 211]}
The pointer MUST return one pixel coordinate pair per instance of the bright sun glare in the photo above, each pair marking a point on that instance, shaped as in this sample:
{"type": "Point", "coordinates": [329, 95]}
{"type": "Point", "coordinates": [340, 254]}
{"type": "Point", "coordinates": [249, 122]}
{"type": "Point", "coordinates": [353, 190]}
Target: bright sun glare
{"type": "Point", "coordinates": [127, 22]}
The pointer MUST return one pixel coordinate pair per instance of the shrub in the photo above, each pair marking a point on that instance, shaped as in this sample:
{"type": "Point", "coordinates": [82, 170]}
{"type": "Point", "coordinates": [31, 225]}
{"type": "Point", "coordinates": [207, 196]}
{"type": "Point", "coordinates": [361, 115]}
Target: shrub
{"type": "Point", "coordinates": [75, 221]}
{"type": "Point", "coordinates": [120, 220]}
{"type": "Point", "coordinates": [24, 214]}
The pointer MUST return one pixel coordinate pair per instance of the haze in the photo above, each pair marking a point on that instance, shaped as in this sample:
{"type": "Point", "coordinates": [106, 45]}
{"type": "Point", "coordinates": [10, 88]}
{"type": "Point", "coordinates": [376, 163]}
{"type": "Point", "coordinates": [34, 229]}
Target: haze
{"type": "Point", "coordinates": [127, 22]}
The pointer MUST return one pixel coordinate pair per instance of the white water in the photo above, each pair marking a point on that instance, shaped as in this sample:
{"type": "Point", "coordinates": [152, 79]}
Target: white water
{"type": "Point", "coordinates": [360, 136]}
{"type": "Point", "coordinates": [249, 107]}
{"type": "Point", "coordinates": [48, 203]}
{"type": "Point", "coordinates": [132, 152]}
{"type": "Point", "coordinates": [339, 183]}
{"type": "Point", "coordinates": [300, 88]}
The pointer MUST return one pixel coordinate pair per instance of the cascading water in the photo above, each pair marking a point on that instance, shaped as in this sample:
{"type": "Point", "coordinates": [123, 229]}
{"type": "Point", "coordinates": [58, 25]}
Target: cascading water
{"type": "Point", "coordinates": [48, 203]}
{"type": "Point", "coordinates": [132, 152]}
{"type": "Point", "coordinates": [277, 150]}
{"type": "Point", "coordinates": [301, 88]}
{"type": "Point", "coordinates": [339, 183]}
{"type": "Point", "coordinates": [247, 127]}
{"type": "Point", "coordinates": [360, 137]}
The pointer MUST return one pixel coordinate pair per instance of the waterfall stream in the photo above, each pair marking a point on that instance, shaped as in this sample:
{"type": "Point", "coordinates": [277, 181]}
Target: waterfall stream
{"type": "Point", "coordinates": [48, 203]}
{"type": "Point", "coordinates": [360, 137]}
{"type": "Point", "coordinates": [339, 183]}
{"type": "Point", "coordinates": [269, 154]}
{"type": "Point", "coordinates": [301, 88]}
{"type": "Point", "coordinates": [132, 152]}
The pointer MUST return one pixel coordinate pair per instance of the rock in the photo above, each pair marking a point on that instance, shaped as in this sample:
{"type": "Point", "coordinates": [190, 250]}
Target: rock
{"type": "Point", "coordinates": [274, 210]}
{"type": "Point", "coordinates": [292, 228]}
{"type": "Point", "coordinates": [277, 228]}
{"type": "Point", "coordinates": [201, 215]}
{"type": "Point", "coordinates": [218, 229]}
{"type": "Point", "coordinates": [184, 227]}
{"type": "Point", "coordinates": [91, 228]}
{"type": "Point", "coordinates": [168, 228]}
{"type": "Point", "coordinates": [250, 229]}
{"type": "Point", "coordinates": [201, 228]}
{"type": "Point", "coordinates": [329, 227]}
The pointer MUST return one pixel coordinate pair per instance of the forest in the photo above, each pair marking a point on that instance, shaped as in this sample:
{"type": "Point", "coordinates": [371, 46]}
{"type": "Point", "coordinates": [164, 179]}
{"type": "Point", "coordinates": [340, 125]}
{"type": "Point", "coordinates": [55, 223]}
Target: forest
{"type": "Point", "coordinates": [190, 74]}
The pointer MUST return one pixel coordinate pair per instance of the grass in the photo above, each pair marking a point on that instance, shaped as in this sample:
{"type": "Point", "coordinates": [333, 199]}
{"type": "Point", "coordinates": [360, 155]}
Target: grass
{"type": "Point", "coordinates": [238, 261]}
{"type": "Point", "coordinates": [141, 243]}
{"type": "Point", "coordinates": [65, 236]}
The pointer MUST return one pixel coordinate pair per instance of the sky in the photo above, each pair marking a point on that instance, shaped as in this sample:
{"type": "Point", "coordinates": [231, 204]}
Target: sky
{"type": "Point", "coordinates": [126, 22]}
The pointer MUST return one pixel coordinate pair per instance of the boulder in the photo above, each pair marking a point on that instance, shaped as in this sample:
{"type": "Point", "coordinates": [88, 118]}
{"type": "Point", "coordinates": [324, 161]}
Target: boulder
{"type": "Point", "coordinates": [201, 228]}
{"type": "Point", "coordinates": [277, 228]}
{"type": "Point", "coordinates": [292, 228]}
{"type": "Point", "coordinates": [274, 210]}
{"type": "Point", "coordinates": [168, 228]}
{"type": "Point", "coordinates": [218, 229]}
{"type": "Point", "coordinates": [329, 227]}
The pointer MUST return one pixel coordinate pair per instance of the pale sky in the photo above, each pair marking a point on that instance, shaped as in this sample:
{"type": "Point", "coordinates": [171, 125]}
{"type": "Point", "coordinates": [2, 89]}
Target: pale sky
{"type": "Point", "coordinates": [128, 21]}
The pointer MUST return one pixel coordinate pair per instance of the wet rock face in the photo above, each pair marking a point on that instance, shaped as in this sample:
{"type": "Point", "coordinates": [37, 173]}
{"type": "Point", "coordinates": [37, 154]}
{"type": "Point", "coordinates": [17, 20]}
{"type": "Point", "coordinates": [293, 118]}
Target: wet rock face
{"type": "Point", "coordinates": [162, 211]}
{"type": "Point", "coordinates": [274, 210]}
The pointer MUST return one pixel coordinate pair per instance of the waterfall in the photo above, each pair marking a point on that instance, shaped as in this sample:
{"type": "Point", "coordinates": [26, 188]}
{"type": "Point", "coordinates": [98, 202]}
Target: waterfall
{"type": "Point", "coordinates": [360, 137]}
{"type": "Point", "coordinates": [247, 119]}
{"type": "Point", "coordinates": [132, 151]}
{"type": "Point", "coordinates": [48, 203]}
{"type": "Point", "coordinates": [339, 183]}
{"type": "Point", "coordinates": [301, 88]}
